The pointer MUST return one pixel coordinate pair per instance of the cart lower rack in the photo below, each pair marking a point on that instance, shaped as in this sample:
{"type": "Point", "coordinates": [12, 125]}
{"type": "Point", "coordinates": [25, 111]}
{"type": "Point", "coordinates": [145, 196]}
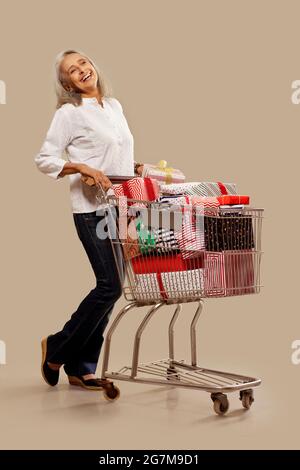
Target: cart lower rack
{"type": "Point", "coordinates": [197, 254]}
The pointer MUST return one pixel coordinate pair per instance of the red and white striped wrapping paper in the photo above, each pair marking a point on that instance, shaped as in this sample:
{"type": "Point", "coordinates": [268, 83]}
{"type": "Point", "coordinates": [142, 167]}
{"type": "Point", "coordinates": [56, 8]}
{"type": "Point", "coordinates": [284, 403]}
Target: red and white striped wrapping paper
{"type": "Point", "coordinates": [190, 237]}
{"type": "Point", "coordinates": [207, 201]}
{"type": "Point", "coordinates": [214, 279]}
{"type": "Point", "coordinates": [229, 273]}
{"type": "Point", "coordinates": [142, 189]}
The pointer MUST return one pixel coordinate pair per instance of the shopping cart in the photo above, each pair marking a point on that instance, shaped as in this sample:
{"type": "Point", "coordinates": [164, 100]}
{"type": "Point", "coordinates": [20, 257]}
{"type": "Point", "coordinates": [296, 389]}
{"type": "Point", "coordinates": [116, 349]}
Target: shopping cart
{"type": "Point", "coordinates": [182, 254]}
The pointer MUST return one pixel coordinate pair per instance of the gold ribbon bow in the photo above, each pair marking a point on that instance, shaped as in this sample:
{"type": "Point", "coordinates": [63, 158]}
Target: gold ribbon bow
{"type": "Point", "coordinates": [162, 166]}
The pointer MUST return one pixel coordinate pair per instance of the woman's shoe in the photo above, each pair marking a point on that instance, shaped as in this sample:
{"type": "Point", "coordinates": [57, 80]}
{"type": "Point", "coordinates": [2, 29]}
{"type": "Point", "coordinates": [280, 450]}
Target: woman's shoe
{"type": "Point", "coordinates": [88, 384]}
{"type": "Point", "coordinates": [50, 376]}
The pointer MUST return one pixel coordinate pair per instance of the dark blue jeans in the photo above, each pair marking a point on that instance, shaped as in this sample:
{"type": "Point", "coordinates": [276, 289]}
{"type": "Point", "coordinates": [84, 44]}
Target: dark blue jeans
{"type": "Point", "coordinates": [78, 344]}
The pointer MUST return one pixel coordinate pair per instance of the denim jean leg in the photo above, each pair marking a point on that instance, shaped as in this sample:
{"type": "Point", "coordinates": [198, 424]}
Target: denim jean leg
{"type": "Point", "coordinates": [87, 358]}
{"type": "Point", "coordinates": [93, 313]}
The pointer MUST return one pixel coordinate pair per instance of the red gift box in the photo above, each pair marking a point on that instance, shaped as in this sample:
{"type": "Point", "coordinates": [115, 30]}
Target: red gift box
{"type": "Point", "coordinates": [156, 268]}
{"type": "Point", "coordinates": [232, 200]}
{"type": "Point", "coordinates": [142, 189]}
{"type": "Point", "coordinates": [229, 273]}
{"type": "Point", "coordinates": [239, 272]}
{"type": "Point", "coordinates": [214, 280]}
{"type": "Point", "coordinates": [167, 263]}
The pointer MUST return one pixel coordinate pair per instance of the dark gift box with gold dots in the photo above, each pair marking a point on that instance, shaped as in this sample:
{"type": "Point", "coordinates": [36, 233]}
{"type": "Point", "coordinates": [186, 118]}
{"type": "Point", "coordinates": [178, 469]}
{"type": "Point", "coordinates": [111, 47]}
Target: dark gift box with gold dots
{"type": "Point", "coordinates": [228, 231]}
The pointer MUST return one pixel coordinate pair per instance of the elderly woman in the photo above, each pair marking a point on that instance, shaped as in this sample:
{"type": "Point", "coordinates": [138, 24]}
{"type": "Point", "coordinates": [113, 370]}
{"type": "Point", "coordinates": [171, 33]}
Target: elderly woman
{"type": "Point", "coordinates": [90, 127]}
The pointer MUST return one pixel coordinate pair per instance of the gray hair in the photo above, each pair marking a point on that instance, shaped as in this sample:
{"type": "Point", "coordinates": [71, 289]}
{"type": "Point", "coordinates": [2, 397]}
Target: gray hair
{"type": "Point", "coordinates": [65, 96]}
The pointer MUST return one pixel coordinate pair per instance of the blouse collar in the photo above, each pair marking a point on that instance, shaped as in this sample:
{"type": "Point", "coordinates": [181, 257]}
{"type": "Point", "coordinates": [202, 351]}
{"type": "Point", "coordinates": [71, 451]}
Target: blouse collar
{"type": "Point", "coordinates": [93, 101]}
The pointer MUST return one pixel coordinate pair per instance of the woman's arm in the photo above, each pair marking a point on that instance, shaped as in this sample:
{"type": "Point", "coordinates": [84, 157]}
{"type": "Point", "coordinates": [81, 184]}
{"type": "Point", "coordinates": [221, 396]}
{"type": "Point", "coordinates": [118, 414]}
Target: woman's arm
{"type": "Point", "coordinates": [91, 176]}
{"type": "Point", "coordinates": [49, 160]}
{"type": "Point", "coordinates": [69, 169]}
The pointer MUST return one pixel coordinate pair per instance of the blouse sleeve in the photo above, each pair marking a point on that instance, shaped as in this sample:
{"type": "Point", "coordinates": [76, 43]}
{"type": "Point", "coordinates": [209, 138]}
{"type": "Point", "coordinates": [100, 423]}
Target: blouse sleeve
{"type": "Point", "coordinates": [49, 159]}
{"type": "Point", "coordinates": [118, 104]}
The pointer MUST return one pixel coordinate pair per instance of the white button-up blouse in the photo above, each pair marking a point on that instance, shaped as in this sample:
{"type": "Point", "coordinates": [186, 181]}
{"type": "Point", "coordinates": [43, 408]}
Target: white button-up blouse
{"type": "Point", "coordinates": [99, 137]}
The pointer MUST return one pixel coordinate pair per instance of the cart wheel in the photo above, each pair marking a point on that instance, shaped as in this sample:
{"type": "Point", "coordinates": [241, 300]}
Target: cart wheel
{"type": "Point", "coordinates": [171, 374]}
{"type": "Point", "coordinates": [221, 403]}
{"type": "Point", "coordinates": [247, 398]}
{"type": "Point", "coordinates": [111, 392]}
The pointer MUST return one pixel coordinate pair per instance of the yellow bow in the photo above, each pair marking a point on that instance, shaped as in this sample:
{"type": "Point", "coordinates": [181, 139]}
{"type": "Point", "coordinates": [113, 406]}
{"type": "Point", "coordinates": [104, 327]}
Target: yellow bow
{"type": "Point", "coordinates": [162, 166]}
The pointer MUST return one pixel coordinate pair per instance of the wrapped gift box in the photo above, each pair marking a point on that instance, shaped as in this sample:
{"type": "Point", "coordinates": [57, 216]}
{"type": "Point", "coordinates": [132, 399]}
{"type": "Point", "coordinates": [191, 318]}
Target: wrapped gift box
{"type": "Point", "coordinates": [131, 245]}
{"type": "Point", "coordinates": [214, 279]}
{"type": "Point", "coordinates": [165, 241]}
{"type": "Point", "coordinates": [142, 189]}
{"type": "Point", "coordinates": [233, 200]}
{"type": "Point", "coordinates": [147, 287]}
{"type": "Point", "coordinates": [202, 202]}
{"type": "Point", "coordinates": [190, 238]}
{"type": "Point", "coordinates": [229, 273]}
{"type": "Point", "coordinates": [166, 263]}
{"type": "Point", "coordinates": [170, 285]}
{"type": "Point", "coordinates": [239, 272]}
{"type": "Point", "coordinates": [229, 231]}
{"type": "Point", "coordinates": [184, 284]}
{"type": "Point", "coordinates": [162, 173]}
{"type": "Point", "coordinates": [175, 201]}
{"type": "Point", "coordinates": [200, 189]}
{"type": "Point", "coordinates": [168, 276]}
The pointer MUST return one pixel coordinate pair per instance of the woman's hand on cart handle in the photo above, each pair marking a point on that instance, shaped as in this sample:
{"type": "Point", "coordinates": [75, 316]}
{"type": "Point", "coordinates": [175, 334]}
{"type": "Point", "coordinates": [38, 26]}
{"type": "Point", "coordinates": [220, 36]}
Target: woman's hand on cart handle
{"type": "Point", "coordinates": [138, 168]}
{"type": "Point", "coordinates": [93, 177]}
{"type": "Point", "coordinates": [89, 175]}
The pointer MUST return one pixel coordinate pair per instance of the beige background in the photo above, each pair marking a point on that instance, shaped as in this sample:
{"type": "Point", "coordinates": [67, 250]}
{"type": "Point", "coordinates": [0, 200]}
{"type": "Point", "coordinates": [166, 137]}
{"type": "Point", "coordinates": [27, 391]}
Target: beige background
{"type": "Point", "coordinates": [205, 85]}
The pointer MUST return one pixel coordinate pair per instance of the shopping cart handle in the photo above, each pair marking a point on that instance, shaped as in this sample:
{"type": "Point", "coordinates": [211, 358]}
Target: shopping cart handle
{"type": "Point", "coordinates": [119, 179]}
{"type": "Point", "coordinates": [114, 179]}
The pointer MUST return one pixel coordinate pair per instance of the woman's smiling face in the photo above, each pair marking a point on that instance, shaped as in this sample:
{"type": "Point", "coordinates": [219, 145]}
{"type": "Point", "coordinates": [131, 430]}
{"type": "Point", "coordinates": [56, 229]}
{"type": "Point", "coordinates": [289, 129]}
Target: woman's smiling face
{"type": "Point", "coordinates": [79, 73]}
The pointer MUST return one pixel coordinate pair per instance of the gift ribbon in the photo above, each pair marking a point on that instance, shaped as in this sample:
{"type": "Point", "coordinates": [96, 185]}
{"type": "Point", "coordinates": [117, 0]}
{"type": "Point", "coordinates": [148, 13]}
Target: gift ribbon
{"type": "Point", "coordinates": [148, 182]}
{"type": "Point", "coordinates": [162, 166]}
{"type": "Point", "coordinates": [150, 190]}
{"type": "Point", "coordinates": [223, 189]}
{"type": "Point", "coordinates": [161, 286]}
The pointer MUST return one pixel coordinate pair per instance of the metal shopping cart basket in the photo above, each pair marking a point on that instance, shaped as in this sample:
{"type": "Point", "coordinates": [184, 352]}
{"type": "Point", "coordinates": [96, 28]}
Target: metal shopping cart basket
{"type": "Point", "coordinates": [175, 254]}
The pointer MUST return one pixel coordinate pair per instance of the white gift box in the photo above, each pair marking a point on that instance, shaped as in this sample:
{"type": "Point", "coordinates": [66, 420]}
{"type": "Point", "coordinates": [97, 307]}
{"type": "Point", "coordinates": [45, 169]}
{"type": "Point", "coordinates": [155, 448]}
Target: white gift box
{"type": "Point", "coordinates": [169, 285]}
{"type": "Point", "coordinates": [199, 188]}
{"type": "Point", "coordinates": [162, 173]}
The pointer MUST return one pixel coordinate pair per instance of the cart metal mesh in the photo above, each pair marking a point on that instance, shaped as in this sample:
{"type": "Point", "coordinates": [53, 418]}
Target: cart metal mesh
{"type": "Point", "coordinates": [186, 253]}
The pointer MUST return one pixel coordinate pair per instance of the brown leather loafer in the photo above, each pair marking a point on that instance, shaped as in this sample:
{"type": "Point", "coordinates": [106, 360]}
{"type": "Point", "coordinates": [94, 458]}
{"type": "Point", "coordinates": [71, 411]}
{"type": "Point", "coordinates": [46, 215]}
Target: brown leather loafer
{"type": "Point", "coordinates": [50, 376]}
{"type": "Point", "coordinates": [88, 384]}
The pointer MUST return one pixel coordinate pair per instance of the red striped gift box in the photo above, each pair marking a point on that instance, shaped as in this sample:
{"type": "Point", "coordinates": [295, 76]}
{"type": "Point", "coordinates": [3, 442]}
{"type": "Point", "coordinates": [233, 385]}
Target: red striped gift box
{"type": "Point", "coordinates": [142, 189]}
{"type": "Point", "coordinates": [229, 273]}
